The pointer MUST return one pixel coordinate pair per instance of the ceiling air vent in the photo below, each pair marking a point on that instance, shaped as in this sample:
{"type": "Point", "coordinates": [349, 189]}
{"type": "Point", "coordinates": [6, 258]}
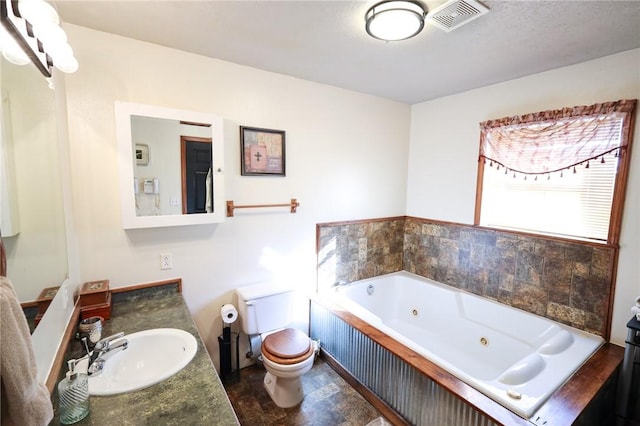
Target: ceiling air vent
{"type": "Point", "coordinates": [455, 13]}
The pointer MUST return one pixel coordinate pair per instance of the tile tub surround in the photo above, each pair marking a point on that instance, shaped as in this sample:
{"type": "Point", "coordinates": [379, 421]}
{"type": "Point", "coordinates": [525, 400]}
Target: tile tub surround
{"type": "Point", "coordinates": [193, 396]}
{"type": "Point", "coordinates": [567, 281]}
{"type": "Point", "coordinates": [355, 250]}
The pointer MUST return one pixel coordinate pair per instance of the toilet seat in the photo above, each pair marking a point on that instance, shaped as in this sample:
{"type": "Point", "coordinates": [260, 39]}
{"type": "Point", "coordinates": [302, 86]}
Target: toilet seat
{"type": "Point", "coordinates": [286, 347]}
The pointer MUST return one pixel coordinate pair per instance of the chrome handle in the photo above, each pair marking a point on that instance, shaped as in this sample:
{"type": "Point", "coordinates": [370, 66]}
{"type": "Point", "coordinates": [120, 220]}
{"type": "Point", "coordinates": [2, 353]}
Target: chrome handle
{"type": "Point", "coordinates": [104, 343]}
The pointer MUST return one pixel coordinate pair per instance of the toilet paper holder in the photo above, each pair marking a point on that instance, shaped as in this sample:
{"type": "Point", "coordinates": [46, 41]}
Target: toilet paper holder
{"type": "Point", "coordinates": [229, 315]}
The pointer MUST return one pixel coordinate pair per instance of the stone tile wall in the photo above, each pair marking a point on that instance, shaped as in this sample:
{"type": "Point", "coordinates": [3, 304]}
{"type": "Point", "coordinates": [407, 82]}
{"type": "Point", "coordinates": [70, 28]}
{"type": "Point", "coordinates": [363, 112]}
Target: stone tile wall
{"type": "Point", "coordinates": [569, 282]}
{"type": "Point", "coordinates": [352, 251]}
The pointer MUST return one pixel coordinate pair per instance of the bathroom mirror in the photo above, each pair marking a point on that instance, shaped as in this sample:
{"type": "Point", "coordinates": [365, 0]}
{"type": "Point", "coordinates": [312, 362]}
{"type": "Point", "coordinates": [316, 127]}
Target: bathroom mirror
{"type": "Point", "coordinates": [171, 166]}
{"type": "Point", "coordinates": [31, 183]}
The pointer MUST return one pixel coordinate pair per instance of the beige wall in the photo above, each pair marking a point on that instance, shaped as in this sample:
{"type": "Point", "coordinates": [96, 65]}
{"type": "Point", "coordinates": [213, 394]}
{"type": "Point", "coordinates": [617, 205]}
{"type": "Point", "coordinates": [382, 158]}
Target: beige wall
{"type": "Point", "coordinates": [445, 138]}
{"type": "Point", "coordinates": [346, 156]}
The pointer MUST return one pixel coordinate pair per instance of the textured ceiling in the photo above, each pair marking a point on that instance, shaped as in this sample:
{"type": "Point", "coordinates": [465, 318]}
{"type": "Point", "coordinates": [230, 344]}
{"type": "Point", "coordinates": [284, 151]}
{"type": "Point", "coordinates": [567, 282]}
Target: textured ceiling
{"type": "Point", "coordinates": [325, 41]}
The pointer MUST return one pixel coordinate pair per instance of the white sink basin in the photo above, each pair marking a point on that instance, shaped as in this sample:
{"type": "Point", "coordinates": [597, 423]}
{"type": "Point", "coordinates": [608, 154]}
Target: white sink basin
{"type": "Point", "coordinates": [152, 356]}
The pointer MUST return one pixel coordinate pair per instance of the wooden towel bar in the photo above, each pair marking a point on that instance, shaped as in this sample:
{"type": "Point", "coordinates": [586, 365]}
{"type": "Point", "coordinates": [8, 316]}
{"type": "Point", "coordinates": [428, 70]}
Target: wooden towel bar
{"type": "Point", "coordinates": [231, 207]}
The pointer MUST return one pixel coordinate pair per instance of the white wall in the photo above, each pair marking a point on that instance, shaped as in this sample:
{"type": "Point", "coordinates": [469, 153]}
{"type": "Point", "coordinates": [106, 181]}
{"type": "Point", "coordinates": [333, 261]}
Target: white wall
{"type": "Point", "coordinates": [346, 158]}
{"type": "Point", "coordinates": [445, 137]}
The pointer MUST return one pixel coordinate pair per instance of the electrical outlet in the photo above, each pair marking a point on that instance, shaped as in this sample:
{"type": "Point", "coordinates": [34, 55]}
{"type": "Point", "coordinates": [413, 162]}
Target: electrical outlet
{"type": "Point", "coordinates": [166, 262]}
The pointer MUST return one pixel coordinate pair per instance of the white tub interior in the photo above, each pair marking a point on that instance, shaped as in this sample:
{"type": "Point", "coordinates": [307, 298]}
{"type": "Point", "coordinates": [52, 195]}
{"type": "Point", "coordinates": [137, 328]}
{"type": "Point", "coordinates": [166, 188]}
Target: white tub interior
{"type": "Point", "coordinates": [516, 358]}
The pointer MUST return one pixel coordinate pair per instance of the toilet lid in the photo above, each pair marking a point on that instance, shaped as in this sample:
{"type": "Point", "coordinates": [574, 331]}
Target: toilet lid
{"type": "Point", "coordinates": [287, 346]}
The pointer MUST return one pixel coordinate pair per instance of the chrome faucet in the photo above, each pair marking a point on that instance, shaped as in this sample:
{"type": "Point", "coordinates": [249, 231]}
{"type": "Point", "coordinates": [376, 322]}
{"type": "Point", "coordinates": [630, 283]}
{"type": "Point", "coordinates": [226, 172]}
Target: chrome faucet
{"type": "Point", "coordinates": [104, 350]}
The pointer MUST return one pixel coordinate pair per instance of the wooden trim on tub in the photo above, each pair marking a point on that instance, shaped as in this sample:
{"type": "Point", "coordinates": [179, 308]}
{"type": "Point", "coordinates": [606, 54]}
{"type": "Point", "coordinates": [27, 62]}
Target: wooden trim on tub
{"type": "Point", "coordinates": [562, 408]}
{"type": "Point", "coordinates": [442, 377]}
{"type": "Point", "coordinates": [566, 404]}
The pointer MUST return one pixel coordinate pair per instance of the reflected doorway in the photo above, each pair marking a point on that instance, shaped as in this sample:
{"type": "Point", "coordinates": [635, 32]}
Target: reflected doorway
{"type": "Point", "coordinates": [197, 184]}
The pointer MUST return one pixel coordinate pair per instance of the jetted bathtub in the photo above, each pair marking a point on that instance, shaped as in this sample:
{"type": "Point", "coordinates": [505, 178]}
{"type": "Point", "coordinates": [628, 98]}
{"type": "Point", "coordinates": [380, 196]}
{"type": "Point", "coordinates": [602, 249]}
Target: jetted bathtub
{"type": "Point", "coordinates": [516, 358]}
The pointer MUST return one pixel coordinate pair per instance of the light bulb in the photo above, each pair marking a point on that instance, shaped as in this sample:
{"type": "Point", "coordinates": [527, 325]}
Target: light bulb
{"type": "Point", "coordinates": [38, 12]}
{"type": "Point", "coordinates": [49, 33]}
{"type": "Point", "coordinates": [68, 65]}
{"type": "Point", "coordinates": [395, 25]}
{"type": "Point", "coordinates": [63, 58]}
{"type": "Point", "coordinates": [11, 50]}
{"type": "Point", "coordinates": [14, 56]}
{"type": "Point", "coordinates": [59, 51]}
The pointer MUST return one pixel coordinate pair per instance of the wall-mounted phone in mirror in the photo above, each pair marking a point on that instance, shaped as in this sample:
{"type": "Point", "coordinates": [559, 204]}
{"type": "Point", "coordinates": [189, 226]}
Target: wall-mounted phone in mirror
{"type": "Point", "coordinates": [171, 164]}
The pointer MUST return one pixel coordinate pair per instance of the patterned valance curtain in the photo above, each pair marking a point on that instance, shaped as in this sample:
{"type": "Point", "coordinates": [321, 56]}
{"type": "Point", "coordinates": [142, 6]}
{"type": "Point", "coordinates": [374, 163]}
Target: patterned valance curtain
{"type": "Point", "coordinates": [556, 140]}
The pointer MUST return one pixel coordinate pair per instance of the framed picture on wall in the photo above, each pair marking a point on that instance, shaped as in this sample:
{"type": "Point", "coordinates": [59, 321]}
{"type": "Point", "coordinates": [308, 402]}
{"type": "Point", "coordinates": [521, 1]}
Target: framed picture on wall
{"type": "Point", "coordinates": [262, 152]}
{"type": "Point", "coordinates": [142, 154]}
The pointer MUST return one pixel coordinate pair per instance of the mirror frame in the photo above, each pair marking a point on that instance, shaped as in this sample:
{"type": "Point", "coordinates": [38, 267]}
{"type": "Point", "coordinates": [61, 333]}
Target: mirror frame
{"type": "Point", "coordinates": [124, 111]}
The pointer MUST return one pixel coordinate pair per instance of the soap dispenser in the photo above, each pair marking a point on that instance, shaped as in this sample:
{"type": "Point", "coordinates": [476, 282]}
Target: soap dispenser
{"type": "Point", "coordinates": [73, 392]}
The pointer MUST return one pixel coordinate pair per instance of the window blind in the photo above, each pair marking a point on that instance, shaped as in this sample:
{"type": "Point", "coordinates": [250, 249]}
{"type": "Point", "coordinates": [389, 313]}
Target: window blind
{"type": "Point", "coordinates": [574, 205]}
{"type": "Point", "coordinates": [554, 172]}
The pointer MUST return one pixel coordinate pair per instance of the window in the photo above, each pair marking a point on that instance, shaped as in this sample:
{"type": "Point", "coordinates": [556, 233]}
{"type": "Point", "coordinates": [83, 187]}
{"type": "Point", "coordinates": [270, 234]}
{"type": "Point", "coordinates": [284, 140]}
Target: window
{"type": "Point", "coordinates": [557, 172]}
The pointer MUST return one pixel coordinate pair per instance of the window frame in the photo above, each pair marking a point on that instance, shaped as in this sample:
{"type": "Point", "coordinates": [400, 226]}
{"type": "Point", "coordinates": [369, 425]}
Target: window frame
{"type": "Point", "coordinates": [619, 190]}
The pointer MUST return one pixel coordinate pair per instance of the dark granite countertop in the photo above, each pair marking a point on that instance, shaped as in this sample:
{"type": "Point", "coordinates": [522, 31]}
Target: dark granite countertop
{"type": "Point", "coordinates": [194, 396]}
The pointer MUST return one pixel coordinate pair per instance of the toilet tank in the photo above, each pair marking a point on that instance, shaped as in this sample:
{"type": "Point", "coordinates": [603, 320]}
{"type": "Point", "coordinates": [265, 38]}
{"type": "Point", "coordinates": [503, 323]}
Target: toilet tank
{"type": "Point", "coordinates": [264, 307]}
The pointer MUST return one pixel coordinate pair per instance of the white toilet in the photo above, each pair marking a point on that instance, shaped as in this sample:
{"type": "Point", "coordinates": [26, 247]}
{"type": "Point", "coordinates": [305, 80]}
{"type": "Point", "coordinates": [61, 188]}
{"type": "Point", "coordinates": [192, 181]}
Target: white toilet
{"type": "Point", "coordinates": [287, 353]}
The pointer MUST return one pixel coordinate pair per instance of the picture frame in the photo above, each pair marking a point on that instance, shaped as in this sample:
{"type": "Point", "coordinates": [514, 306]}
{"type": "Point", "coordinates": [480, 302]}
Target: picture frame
{"type": "Point", "coordinates": [262, 152]}
{"type": "Point", "coordinates": [142, 154]}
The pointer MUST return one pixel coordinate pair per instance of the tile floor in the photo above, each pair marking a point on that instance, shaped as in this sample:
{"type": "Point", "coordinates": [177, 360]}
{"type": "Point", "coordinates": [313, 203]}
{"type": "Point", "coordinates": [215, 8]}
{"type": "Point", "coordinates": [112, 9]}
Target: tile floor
{"type": "Point", "coordinates": [329, 401]}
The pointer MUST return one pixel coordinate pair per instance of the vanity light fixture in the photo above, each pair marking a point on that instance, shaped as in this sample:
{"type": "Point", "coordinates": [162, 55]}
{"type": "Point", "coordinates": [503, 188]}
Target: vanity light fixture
{"type": "Point", "coordinates": [31, 32]}
{"type": "Point", "coordinates": [394, 20]}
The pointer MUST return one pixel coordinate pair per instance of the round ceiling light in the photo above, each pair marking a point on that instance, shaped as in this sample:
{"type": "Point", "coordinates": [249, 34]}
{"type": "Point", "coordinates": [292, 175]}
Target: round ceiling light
{"type": "Point", "coordinates": [394, 20]}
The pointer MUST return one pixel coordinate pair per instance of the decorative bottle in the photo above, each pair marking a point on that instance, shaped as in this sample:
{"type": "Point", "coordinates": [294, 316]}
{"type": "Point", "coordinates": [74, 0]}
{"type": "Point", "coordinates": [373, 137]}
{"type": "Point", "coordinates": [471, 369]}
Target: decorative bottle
{"type": "Point", "coordinates": [73, 392]}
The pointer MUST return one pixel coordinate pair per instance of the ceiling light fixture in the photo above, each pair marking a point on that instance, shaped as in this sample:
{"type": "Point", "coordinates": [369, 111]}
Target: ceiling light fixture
{"type": "Point", "coordinates": [394, 20]}
{"type": "Point", "coordinates": [30, 31]}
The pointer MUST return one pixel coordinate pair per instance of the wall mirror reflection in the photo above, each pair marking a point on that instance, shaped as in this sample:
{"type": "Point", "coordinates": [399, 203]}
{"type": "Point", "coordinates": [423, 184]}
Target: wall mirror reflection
{"type": "Point", "coordinates": [31, 206]}
{"type": "Point", "coordinates": [170, 166]}
{"type": "Point", "coordinates": [173, 166]}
